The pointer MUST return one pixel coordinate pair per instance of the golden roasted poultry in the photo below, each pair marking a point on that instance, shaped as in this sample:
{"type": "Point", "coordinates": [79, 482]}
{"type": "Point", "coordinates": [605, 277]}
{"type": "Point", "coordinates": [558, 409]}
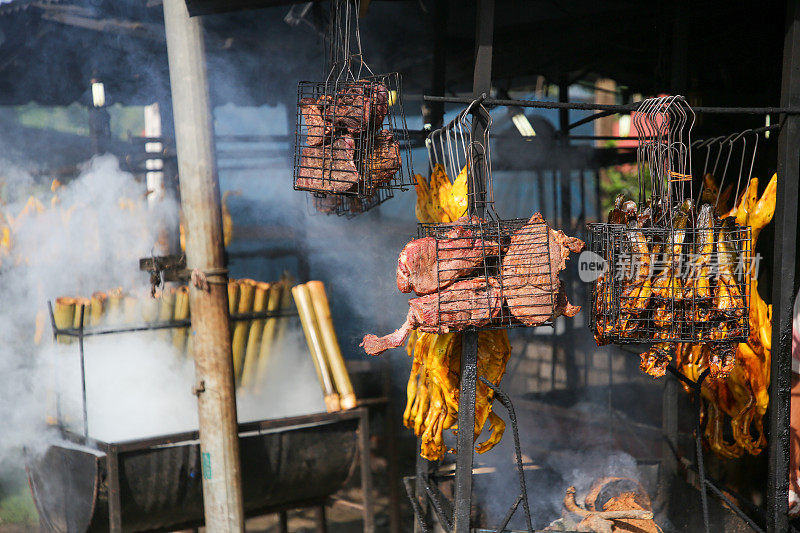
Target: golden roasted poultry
{"type": "Point", "coordinates": [433, 384]}
{"type": "Point", "coordinates": [737, 389]}
{"type": "Point", "coordinates": [682, 281]}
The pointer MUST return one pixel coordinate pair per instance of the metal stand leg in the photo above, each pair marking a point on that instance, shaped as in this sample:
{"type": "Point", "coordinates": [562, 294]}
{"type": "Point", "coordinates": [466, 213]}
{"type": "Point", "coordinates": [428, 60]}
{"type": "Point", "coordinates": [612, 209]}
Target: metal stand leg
{"type": "Point", "coordinates": [114, 502]}
{"type": "Point", "coordinates": [466, 423]}
{"type": "Point", "coordinates": [669, 429]}
{"type": "Point", "coordinates": [366, 471]}
{"type": "Point", "coordinates": [283, 522]}
{"type": "Point", "coordinates": [322, 523]}
{"type": "Point", "coordinates": [394, 477]}
{"type": "Point", "coordinates": [419, 490]}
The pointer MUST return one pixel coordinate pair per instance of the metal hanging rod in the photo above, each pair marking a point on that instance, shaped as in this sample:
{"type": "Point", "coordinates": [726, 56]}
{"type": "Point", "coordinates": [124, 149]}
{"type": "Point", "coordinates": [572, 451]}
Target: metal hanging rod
{"type": "Point", "coordinates": [614, 108]}
{"type": "Point", "coordinates": [170, 324]}
{"type": "Point", "coordinates": [763, 129]}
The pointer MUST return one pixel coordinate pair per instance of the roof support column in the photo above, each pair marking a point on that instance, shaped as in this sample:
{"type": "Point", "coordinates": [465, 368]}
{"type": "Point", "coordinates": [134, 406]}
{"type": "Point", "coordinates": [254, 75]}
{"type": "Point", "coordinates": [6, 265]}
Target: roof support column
{"type": "Point", "coordinates": [200, 202]}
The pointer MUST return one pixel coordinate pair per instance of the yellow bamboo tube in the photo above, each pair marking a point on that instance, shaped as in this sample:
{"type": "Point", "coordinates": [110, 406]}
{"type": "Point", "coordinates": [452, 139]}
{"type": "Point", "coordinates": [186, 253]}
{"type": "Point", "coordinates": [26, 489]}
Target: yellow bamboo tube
{"type": "Point", "coordinates": [287, 282]}
{"type": "Point", "coordinates": [181, 313]}
{"type": "Point", "coordinates": [260, 300]}
{"type": "Point", "coordinates": [247, 289]}
{"type": "Point", "coordinates": [85, 303]}
{"type": "Point", "coordinates": [131, 310]}
{"type": "Point", "coordinates": [276, 294]}
{"type": "Point", "coordinates": [64, 315]}
{"type": "Point", "coordinates": [166, 311]}
{"type": "Point", "coordinates": [333, 352]}
{"type": "Point", "coordinates": [98, 308]}
{"type": "Point", "coordinates": [303, 301]}
{"type": "Point", "coordinates": [114, 306]}
{"type": "Point", "coordinates": [39, 331]}
{"type": "Point", "coordinates": [233, 296]}
{"type": "Point", "coordinates": [150, 309]}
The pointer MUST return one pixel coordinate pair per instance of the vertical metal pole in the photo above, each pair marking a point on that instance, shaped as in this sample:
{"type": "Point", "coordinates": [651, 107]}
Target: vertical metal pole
{"type": "Point", "coordinates": [669, 400]}
{"type": "Point", "coordinates": [83, 376]}
{"type": "Point", "coordinates": [783, 278]}
{"type": "Point", "coordinates": [200, 202]}
{"type": "Point", "coordinates": [322, 522]}
{"type": "Point", "coordinates": [669, 430]}
{"type": "Point", "coordinates": [283, 522]}
{"type": "Point", "coordinates": [439, 61]}
{"type": "Point", "coordinates": [391, 455]}
{"type": "Point", "coordinates": [421, 468]}
{"type": "Point", "coordinates": [366, 470]}
{"type": "Point", "coordinates": [464, 440]}
{"type": "Point", "coordinates": [114, 500]}
{"type": "Point", "coordinates": [565, 344]}
{"type": "Point", "coordinates": [482, 83]}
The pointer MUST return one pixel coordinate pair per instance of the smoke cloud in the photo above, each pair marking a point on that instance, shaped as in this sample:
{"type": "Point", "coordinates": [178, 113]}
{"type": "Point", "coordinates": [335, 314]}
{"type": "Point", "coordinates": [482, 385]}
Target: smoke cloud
{"type": "Point", "coordinates": [86, 236]}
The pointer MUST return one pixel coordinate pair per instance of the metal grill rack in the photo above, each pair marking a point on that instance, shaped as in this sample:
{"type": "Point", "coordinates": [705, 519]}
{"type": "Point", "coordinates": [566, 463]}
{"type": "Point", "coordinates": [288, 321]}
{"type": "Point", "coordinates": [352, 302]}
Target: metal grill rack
{"type": "Point", "coordinates": [773, 515]}
{"type": "Point", "coordinates": [668, 285]}
{"type": "Point", "coordinates": [485, 258]}
{"type": "Point", "coordinates": [351, 136]}
{"type": "Point", "coordinates": [81, 332]}
{"type": "Point", "coordinates": [348, 206]}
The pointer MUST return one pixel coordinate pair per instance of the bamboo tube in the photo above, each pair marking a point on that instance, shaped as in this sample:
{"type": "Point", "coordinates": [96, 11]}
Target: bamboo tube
{"type": "Point", "coordinates": [287, 282]}
{"type": "Point", "coordinates": [303, 301]}
{"type": "Point", "coordinates": [247, 289]}
{"type": "Point", "coordinates": [39, 331]}
{"type": "Point", "coordinates": [98, 308]}
{"type": "Point", "coordinates": [131, 310]}
{"type": "Point", "coordinates": [166, 311]}
{"type": "Point", "coordinates": [233, 296]}
{"type": "Point", "coordinates": [85, 302]}
{"type": "Point", "coordinates": [64, 315]}
{"type": "Point", "coordinates": [277, 293]}
{"type": "Point", "coordinates": [260, 301]}
{"type": "Point", "coordinates": [181, 312]}
{"type": "Point", "coordinates": [114, 306]}
{"type": "Point", "coordinates": [333, 351]}
{"type": "Point", "coordinates": [150, 309]}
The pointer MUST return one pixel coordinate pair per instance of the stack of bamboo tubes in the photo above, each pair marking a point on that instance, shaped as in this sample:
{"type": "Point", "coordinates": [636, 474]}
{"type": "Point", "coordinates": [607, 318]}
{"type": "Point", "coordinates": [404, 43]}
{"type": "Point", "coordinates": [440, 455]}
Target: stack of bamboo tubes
{"type": "Point", "coordinates": [254, 340]}
{"type": "Point", "coordinates": [315, 315]}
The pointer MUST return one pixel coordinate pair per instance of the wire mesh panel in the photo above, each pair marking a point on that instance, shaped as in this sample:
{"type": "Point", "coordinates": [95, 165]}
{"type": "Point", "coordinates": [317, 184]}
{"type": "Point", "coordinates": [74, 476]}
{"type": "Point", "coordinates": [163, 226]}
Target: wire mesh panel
{"type": "Point", "coordinates": [671, 284]}
{"type": "Point", "coordinates": [348, 137]}
{"type": "Point", "coordinates": [495, 274]}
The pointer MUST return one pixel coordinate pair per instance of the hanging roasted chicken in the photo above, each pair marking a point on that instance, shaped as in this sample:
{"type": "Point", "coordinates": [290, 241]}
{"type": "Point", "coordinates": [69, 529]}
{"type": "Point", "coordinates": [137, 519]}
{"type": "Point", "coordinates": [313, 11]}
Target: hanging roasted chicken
{"type": "Point", "coordinates": [738, 389]}
{"type": "Point", "coordinates": [433, 385]}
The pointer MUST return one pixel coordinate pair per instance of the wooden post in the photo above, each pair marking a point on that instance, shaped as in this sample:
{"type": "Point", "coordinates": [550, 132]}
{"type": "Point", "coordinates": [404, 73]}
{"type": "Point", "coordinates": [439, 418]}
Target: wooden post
{"type": "Point", "coordinates": [211, 337]}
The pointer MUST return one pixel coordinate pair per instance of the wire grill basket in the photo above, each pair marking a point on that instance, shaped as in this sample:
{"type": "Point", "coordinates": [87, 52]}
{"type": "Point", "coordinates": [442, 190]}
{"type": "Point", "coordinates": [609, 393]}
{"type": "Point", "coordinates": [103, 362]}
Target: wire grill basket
{"type": "Point", "coordinates": [671, 285]}
{"type": "Point", "coordinates": [495, 274]}
{"type": "Point", "coordinates": [348, 206]}
{"type": "Point", "coordinates": [351, 137]}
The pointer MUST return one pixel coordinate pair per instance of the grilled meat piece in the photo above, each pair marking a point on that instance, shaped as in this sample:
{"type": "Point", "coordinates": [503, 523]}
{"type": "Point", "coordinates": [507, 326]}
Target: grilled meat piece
{"type": "Point", "coordinates": [359, 107]}
{"type": "Point", "coordinates": [327, 204]}
{"type": "Point", "coordinates": [530, 270]}
{"type": "Point", "coordinates": [470, 302]}
{"type": "Point", "coordinates": [636, 292]}
{"type": "Point", "coordinates": [728, 300]}
{"type": "Point", "coordinates": [655, 360]}
{"type": "Point", "coordinates": [329, 167]}
{"type": "Point", "coordinates": [382, 160]}
{"type": "Point", "coordinates": [458, 254]}
{"type": "Point", "coordinates": [617, 215]}
{"type": "Point", "coordinates": [667, 286]}
{"type": "Point", "coordinates": [698, 284]}
{"type": "Point", "coordinates": [317, 130]}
